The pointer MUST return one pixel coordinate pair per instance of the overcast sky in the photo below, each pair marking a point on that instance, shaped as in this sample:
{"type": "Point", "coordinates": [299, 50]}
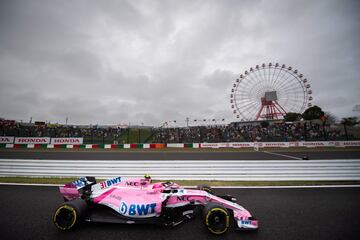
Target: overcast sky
{"type": "Point", "coordinates": [113, 62]}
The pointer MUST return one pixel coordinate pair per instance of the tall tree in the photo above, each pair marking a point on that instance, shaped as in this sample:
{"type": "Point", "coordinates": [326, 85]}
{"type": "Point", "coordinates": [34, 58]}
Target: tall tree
{"type": "Point", "coordinates": [312, 113]}
{"type": "Point", "coordinates": [350, 121]}
{"type": "Point", "coordinates": [331, 118]}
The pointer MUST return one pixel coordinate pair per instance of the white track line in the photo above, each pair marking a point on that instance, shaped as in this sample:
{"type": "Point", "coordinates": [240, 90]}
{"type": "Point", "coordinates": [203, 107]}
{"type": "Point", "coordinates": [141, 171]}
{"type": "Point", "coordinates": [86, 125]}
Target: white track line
{"type": "Point", "coordinates": [282, 155]}
{"type": "Point", "coordinates": [225, 187]}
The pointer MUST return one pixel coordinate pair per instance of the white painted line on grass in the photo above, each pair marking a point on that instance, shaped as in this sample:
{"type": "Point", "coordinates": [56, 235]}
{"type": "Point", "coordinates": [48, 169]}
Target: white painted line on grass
{"type": "Point", "coordinates": [282, 155]}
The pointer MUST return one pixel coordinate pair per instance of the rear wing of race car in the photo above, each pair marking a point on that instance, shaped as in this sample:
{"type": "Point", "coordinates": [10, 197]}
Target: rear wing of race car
{"type": "Point", "coordinates": [82, 182]}
{"type": "Point", "coordinates": [84, 186]}
{"type": "Point", "coordinates": [76, 188]}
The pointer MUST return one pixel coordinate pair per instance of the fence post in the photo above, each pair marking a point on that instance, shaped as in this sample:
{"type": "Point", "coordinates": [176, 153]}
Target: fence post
{"type": "Point", "coordinates": [92, 136]}
{"type": "Point", "coordinates": [128, 135]}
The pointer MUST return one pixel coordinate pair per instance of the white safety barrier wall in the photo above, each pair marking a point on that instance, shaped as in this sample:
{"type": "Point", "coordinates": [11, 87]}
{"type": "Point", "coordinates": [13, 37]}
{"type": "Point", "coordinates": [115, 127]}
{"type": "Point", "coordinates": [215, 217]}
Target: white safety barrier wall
{"type": "Point", "coordinates": [9, 142]}
{"type": "Point", "coordinates": [251, 170]}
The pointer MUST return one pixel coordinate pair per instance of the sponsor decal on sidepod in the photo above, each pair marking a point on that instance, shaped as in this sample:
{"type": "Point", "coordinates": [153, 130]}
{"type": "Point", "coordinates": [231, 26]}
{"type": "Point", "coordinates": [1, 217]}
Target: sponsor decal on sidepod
{"type": "Point", "coordinates": [137, 209]}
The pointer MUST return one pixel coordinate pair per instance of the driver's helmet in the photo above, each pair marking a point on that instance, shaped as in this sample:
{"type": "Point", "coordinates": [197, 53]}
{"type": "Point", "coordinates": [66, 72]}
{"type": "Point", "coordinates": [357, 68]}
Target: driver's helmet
{"type": "Point", "coordinates": [147, 177]}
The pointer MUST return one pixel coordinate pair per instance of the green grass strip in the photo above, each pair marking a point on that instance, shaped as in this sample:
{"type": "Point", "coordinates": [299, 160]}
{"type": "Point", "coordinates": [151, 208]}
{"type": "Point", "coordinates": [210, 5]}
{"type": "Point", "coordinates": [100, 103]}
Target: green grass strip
{"type": "Point", "coordinates": [186, 182]}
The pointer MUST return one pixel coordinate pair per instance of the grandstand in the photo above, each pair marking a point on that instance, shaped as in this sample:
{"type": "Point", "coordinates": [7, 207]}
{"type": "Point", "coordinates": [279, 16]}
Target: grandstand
{"type": "Point", "coordinates": [277, 131]}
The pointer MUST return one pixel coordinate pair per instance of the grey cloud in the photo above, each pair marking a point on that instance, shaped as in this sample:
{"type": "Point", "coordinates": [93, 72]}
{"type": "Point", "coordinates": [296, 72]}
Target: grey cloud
{"type": "Point", "coordinates": [150, 62]}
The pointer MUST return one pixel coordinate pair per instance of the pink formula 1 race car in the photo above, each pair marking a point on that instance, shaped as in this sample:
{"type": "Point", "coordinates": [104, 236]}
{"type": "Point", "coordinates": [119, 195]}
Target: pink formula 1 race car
{"type": "Point", "coordinates": [132, 201]}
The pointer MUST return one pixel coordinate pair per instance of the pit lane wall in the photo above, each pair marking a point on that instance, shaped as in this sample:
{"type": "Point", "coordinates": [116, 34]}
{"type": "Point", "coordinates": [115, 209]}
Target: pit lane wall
{"type": "Point", "coordinates": [49, 143]}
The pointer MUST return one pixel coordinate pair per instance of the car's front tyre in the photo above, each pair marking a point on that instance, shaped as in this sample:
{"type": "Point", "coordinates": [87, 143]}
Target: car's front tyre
{"type": "Point", "coordinates": [216, 218]}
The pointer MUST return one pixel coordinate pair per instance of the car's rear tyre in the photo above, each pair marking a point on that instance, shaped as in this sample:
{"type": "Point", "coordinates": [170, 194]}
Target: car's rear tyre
{"type": "Point", "coordinates": [216, 218]}
{"type": "Point", "coordinates": [205, 188]}
{"type": "Point", "coordinates": [70, 214]}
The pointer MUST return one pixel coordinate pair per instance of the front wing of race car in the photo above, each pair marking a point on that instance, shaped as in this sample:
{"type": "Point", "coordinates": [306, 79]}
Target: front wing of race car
{"type": "Point", "coordinates": [241, 216]}
{"type": "Point", "coordinates": [250, 224]}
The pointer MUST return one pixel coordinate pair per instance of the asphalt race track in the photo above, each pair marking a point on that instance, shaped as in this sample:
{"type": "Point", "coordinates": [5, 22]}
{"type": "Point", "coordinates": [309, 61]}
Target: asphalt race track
{"type": "Point", "coordinates": [311, 213]}
{"type": "Point", "coordinates": [301, 213]}
{"type": "Point", "coordinates": [175, 155]}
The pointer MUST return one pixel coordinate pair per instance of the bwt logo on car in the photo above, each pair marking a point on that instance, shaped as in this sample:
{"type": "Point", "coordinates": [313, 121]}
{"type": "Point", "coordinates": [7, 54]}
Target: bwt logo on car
{"type": "Point", "coordinates": [137, 209]}
{"type": "Point", "coordinates": [110, 182]}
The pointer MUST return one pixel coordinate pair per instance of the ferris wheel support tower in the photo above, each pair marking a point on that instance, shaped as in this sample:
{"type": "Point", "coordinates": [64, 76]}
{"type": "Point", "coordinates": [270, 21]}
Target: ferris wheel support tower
{"type": "Point", "coordinates": [270, 108]}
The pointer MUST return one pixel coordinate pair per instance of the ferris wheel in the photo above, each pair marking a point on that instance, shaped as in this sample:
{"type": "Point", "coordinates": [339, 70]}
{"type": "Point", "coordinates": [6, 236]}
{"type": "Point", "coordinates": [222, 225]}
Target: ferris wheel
{"type": "Point", "coordinates": [269, 91]}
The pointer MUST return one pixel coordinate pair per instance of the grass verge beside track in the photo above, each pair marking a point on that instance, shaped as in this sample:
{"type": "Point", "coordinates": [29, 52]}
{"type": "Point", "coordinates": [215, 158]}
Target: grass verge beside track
{"type": "Point", "coordinates": [30, 180]}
